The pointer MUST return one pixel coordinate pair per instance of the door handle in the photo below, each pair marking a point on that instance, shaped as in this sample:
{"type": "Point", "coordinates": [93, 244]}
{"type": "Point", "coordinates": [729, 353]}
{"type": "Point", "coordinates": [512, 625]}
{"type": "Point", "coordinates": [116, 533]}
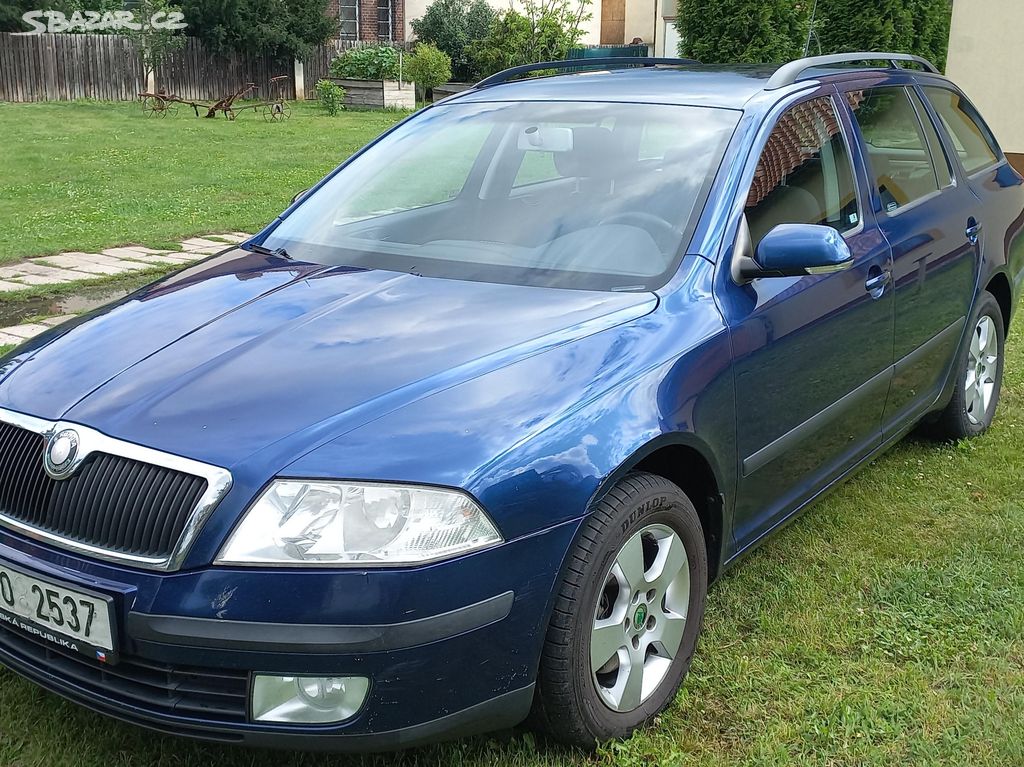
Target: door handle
{"type": "Point", "coordinates": [973, 231]}
{"type": "Point", "coordinates": [876, 285]}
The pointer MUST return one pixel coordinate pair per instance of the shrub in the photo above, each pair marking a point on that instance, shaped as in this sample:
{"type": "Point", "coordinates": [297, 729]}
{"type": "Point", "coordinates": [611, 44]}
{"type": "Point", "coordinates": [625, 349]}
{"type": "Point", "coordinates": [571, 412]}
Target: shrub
{"type": "Point", "coordinates": [331, 95]}
{"type": "Point", "coordinates": [546, 30]}
{"type": "Point", "coordinates": [452, 25]}
{"type": "Point", "coordinates": [378, 62]}
{"type": "Point", "coordinates": [719, 31]}
{"type": "Point", "coordinates": [429, 67]}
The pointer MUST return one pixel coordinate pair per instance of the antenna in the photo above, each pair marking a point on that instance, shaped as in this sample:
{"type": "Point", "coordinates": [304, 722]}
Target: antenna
{"type": "Point", "coordinates": [810, 31]}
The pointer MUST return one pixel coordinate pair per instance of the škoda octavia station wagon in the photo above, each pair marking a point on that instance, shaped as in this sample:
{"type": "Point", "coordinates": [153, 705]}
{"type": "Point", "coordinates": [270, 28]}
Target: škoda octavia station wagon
{"type": "Point", "coordinates": [462, 437]}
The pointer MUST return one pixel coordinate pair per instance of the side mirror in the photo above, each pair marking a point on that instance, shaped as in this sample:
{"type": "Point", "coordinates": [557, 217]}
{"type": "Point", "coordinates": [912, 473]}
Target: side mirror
{"type": "Point", "coordinates": [792, 250]}
{"type": "Point", "coordinates": [299, 196]}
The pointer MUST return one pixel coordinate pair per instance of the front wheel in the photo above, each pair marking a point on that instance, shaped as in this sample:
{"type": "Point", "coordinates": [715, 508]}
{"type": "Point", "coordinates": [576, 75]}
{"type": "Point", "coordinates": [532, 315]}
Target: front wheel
{"type": "Point", "coordinates": [627, 615]}
{"type": "Point", "coordinates": [979, 374]}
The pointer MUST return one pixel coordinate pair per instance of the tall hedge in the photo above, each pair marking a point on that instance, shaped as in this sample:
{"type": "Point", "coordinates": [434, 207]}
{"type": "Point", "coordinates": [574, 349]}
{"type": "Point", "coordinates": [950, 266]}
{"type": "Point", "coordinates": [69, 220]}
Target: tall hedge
{"type": "Point", "coordinates": [908, 26]}
{"type": "Point", "coordinates": [760, 31]}
{"type": "Point", "coordinates": [727, 31]}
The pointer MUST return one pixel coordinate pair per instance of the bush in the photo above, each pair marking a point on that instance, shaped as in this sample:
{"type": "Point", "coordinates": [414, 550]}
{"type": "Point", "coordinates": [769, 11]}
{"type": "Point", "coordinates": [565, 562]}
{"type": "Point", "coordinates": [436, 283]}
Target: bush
{"type": "Point", "coordinates": [331, 95]}
{"type": "Point", "coordinates": [452, 25]}
{"type": "Point", "coordinates": [379, 62]}
{"type": "Point", "coordinates": [760, 31]}
{"type": "Point", "coordinates": [546, 30]}
{"type": "Point", "coordinates": [429, 67]}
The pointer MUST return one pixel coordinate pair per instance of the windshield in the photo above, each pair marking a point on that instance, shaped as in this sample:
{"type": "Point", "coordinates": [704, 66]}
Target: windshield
{"type": "Point", "coordinates": [570, 195]}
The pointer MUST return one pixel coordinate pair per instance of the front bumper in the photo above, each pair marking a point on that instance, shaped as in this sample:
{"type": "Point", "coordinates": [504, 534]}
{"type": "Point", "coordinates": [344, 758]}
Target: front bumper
{"type": "Point", "coordinates": [452, 649]}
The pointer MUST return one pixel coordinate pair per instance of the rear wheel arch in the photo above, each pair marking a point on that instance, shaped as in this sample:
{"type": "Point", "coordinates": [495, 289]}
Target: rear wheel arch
{"type": "Point", "coordinates": [686, 463]}
{"type": "Point", "coordinates": [999, 286]}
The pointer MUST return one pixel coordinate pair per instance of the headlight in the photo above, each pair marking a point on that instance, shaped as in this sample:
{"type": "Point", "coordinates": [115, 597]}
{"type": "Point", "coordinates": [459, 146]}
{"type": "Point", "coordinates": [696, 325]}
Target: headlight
{"type": "Point", "coordinates": [323, 524]}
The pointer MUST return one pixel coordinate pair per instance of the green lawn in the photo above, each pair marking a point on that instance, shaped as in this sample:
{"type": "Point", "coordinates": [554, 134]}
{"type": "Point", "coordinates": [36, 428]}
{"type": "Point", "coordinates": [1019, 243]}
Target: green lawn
{"type": "Point", "coordinates": [885, 627]}
{"type": "Point", "coordinates": [90, 175]}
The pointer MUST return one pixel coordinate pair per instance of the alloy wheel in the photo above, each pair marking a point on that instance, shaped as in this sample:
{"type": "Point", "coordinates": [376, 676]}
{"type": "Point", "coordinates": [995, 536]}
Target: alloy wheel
{"type": "Point", "coordinates": [640, 617]}
{"type": "Point", "coordinates": [982, 368]}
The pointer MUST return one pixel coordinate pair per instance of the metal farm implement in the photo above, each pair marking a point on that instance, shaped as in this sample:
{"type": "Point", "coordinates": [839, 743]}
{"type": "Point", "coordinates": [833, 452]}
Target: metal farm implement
{"type": "Point", "coordinates": [161, 103]}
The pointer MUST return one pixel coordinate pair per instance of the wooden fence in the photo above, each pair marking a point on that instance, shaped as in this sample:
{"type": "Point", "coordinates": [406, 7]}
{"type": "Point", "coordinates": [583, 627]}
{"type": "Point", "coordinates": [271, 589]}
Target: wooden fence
{"type": "Point", "coordinates": [194, 73]}
{"type": "Point", "coordinates": [61, 67]}
{"type": "Point", "coordinates": [107, 67]}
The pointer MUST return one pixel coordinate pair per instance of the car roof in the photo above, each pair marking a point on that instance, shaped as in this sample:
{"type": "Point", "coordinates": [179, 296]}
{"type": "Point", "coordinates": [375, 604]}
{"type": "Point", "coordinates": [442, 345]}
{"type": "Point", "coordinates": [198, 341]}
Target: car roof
{"type": "Point", "coordinates": [727, 87]}
{"type": "Point", "coordinates": [679, 81]}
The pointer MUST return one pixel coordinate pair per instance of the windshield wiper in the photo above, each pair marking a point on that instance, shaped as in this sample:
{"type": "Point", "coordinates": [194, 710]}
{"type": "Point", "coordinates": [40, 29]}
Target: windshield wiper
{"type": "Point", "coordinates": [265, 251]}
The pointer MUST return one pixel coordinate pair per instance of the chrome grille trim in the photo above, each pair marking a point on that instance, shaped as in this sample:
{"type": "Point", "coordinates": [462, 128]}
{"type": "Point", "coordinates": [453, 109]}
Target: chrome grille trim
{"type": "Point", "coordinates": [218, 483]}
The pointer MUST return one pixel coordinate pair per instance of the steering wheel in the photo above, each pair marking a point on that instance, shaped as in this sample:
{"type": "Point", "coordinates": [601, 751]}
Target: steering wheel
{"type": "Point", "coordinates": [661, 231]}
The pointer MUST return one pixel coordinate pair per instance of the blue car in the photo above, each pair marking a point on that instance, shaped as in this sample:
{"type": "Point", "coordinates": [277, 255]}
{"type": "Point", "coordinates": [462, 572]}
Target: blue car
{"type": "Point", "coordinates": [464, 435]}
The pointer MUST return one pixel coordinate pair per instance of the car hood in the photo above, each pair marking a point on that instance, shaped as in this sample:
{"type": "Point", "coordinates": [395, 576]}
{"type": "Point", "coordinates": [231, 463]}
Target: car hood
{"type": "Point", "coordinates": [246, 351]}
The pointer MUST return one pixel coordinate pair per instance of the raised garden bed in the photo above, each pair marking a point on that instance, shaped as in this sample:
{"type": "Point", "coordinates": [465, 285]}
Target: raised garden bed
{"type": "Point", "coordinates": [450, 89]}
{"type": "Point", "coordinates": [378, 94]}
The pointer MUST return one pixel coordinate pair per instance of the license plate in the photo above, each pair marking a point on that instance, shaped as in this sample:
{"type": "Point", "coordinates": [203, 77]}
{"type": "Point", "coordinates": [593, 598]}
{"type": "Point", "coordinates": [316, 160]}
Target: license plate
{"type": "Point", "coordinates": [68, 618]}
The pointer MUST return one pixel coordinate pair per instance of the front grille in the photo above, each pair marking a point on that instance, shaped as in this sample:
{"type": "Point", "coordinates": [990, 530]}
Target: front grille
{"type": "Point", "coordinates": [213, 695]}
{"type": "Point", "coordinates": [113, 503]}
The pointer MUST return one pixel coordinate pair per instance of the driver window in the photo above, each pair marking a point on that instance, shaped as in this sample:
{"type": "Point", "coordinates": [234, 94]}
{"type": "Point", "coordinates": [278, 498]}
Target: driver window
{"type": "Point", "coordinates": [804, 174]}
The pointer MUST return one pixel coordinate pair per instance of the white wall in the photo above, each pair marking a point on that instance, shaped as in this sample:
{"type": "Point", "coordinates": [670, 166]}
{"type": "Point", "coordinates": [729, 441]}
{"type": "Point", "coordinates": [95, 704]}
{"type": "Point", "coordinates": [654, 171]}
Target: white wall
{"type": "Point", "coordinates": [986, 59]}
{"type": "Point", "coordinates": [414, 9]}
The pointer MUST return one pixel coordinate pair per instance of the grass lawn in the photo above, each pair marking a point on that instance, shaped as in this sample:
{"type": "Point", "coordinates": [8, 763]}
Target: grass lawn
{"type": "Point", "coordinates": [90, 175]}
{"type": "Point", "coordinates": [884, 627]}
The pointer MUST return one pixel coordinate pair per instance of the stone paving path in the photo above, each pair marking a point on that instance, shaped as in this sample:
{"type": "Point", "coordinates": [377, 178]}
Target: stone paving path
{"type": "Point", "coordinates": [75, 267]}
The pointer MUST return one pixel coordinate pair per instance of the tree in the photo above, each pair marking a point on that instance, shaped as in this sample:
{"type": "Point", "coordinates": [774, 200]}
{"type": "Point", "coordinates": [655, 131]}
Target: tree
{"type": "Point", "coordinates": [429, 67]}
{"type": "Point", "coordinates": [545, 31]}
{"type": "Point", "coordinates": [11, 11]}
{"type": "Point", "coordinates": [726, 31]}
{"type": "Point", "coordinates": [279, 28]}
{"type": "Point", "coordinates": [907, 26]}
{"type": "Point", "coordinates": [154, 43]}
{"type": "Point", "coordinates": [761, 31]}
{"type": "Point", "coordinates": [451, 25]}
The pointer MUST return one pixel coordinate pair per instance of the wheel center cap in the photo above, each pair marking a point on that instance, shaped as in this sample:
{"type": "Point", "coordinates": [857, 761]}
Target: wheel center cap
{"type": "Point", "coordinates": [640, 617]}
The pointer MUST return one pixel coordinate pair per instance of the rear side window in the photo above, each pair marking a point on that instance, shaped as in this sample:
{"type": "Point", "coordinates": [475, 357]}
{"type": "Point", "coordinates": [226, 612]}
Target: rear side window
{"type": "Point", "coordinates": [943, 170]}
{"type": "Point", "coordinates": [804, 174]}
{"type": "Point", "coordinates": [974, 144]}
{"type": "Point", "coordinates": [896, 144]}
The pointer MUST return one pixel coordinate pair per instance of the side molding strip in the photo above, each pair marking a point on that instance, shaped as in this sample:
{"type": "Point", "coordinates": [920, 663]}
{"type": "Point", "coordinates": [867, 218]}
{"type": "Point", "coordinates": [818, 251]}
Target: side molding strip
{"type": "Point", "coordinates": [799, 433]}
{"type": "Point", "coordinates": [818, 421]}
{"type": "Point", "coordinates": [316, 638]}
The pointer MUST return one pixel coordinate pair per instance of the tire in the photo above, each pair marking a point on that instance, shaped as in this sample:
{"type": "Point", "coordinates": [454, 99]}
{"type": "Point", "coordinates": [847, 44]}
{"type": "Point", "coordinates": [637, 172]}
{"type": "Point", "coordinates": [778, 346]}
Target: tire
{"type": "Point", "coordinates": [643, 520]}
{"type": "Point", "coordinates": [970, 413]}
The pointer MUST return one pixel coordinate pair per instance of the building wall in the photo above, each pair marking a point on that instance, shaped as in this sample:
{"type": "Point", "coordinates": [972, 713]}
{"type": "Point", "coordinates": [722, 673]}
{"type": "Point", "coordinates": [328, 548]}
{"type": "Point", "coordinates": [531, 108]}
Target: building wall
{"type": "Point", "coordinates": [986, 60]}
{"type": "Point", "coordinates": [368, 19]}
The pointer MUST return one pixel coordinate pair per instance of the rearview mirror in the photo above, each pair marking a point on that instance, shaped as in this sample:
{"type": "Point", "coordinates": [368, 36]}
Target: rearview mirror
{"type": "Point", "coordinates": [794, 250]}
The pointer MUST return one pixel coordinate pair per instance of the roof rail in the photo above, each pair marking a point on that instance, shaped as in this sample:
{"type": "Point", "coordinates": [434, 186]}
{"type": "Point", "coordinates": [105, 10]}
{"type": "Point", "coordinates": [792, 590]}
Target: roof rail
{"type": "Point", "coordinates": [789, 73]}
{"type": "Point", "coordinates": [607, 62]}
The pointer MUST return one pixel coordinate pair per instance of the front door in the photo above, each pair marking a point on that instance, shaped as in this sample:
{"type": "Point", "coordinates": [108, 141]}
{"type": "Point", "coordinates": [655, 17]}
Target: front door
{"type": "Point", "coordinates": [925, 215]}
{"type": "Point", "coordinates": [813, 355]}
{"type": "Point", "coordinates": [613, 22]}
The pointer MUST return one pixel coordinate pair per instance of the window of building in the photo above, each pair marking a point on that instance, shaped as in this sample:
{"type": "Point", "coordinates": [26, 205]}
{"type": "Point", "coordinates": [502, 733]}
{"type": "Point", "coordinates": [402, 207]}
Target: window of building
{"type": "Point", "coordinates": [974, 144]}
{"type": "Point", "coordinates": [896, 144]}
{"type": "Point", "coordinates": [804, 174]}
{"type": "Point", "coordinates": [385, 20]}
{"type": "Point", "coordinates": [348, 19]}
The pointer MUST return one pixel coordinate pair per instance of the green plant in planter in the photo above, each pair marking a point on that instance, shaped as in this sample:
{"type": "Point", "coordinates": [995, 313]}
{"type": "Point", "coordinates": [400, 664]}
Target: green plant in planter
{"type": "Point", "coordinates": [332, 97]}
{"type": "Point", "coordinates": [378, 62]}
{"type": "Point", "coordinates": [429, 67]}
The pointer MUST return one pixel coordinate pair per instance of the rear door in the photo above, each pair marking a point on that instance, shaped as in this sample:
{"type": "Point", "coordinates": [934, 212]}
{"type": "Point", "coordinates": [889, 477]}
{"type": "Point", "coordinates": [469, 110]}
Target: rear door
{"type": "Point", "coordinates": [929, 217]}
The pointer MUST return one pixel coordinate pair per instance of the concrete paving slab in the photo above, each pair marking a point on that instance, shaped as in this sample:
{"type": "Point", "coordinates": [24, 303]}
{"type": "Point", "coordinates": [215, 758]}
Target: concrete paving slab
{"type": "Point", "coordinates": [25, 332]}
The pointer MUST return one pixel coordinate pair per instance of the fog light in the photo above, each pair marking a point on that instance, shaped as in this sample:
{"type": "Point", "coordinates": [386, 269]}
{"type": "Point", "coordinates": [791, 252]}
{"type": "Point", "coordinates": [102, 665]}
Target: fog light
{"type": "Point", "coordinates": [307, 699]}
